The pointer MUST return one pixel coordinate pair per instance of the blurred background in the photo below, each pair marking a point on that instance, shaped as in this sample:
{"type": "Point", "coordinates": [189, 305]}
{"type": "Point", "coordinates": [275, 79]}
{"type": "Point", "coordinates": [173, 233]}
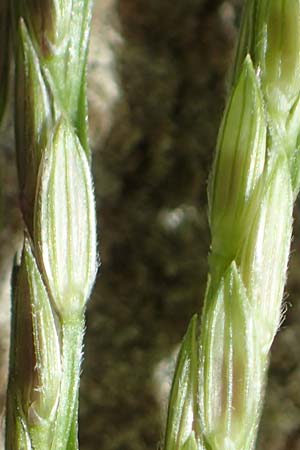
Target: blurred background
{"type": "Point", "coordinates": [157, 88]}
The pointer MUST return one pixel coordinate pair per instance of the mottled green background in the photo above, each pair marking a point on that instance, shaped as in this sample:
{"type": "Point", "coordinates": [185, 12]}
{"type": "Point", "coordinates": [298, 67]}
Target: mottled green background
{"type": "Point", "coordinates": [157, 87]}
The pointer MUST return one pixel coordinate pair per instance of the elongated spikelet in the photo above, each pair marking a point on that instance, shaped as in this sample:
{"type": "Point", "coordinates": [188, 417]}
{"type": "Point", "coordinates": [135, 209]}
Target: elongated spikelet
{"type": "Point", "coordinates": [36, 366]}
{"type": "Point", "coordinates": [230, 366]}
{"type": "Point", "coordinates": [65, 225]}
{"type": "Point", "coordinates": [238, 167]}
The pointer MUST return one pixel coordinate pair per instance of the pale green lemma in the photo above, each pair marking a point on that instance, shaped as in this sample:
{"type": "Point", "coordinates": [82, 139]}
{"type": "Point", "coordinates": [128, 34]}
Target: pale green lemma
{"type": "Point", "coordinates": [64, 221]}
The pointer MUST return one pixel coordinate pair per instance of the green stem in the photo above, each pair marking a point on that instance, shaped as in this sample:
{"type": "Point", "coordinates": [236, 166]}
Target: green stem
{"type": "Point", "coordinates": [66, 420]}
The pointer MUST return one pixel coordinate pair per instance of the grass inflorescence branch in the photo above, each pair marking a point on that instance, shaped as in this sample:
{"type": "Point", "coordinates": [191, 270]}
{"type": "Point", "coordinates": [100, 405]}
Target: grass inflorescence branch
{"type": "Point", "coordinates": [54, 277]}
{"type": "Point", "coordinates": [218, 388]}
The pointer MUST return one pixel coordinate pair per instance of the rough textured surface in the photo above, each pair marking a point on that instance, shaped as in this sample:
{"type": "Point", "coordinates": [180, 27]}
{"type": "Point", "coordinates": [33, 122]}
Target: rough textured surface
{"type": "Point", "coordinates": [157, 89]}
